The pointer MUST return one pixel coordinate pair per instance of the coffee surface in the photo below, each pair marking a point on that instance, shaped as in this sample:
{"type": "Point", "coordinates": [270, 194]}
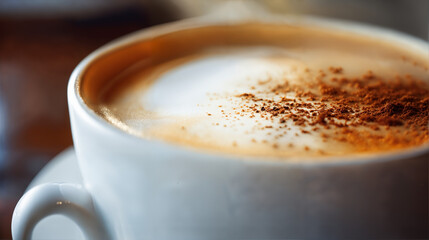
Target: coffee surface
{"type": "Point", "coordinates": [331, 94]}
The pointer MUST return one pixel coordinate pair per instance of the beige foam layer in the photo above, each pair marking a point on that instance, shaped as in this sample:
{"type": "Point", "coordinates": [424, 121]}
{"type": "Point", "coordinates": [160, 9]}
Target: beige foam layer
{"type": "Point", "coordinates": [192, 100]}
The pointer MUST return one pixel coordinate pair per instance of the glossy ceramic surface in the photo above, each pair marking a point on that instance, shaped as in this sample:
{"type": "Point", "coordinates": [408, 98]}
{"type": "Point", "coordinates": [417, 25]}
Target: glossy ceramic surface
{"type": "Point", "coordinates": [136, 188]}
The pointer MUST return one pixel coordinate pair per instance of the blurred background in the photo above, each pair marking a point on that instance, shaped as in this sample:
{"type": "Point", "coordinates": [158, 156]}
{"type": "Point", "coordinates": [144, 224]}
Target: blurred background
{"type": "Point", "coordinates": [42, 41]}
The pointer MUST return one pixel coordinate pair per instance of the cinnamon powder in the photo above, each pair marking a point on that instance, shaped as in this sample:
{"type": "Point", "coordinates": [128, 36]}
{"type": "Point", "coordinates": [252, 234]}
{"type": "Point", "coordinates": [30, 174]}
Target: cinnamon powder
{"type": "Point", "coordinates": [368, 112]}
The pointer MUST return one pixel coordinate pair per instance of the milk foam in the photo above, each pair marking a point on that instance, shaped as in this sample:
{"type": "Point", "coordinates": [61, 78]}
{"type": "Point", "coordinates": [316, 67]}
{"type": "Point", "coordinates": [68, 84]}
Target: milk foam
{"type": "Point", "coordinates": [193, 100]}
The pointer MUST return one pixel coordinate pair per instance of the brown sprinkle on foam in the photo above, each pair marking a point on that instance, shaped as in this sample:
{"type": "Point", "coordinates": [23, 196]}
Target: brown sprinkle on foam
{"type": "Point", "coordinates": [336, 70]}
{"type": "Point", "coordinates": [365, 111]}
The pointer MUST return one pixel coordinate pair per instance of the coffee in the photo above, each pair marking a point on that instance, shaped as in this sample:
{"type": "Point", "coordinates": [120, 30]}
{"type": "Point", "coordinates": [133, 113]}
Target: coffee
{"type": "Point", "coordinates": [272, 90]}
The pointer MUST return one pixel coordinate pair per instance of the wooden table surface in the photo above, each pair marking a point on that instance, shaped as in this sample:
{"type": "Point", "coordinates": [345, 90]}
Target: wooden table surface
{"type": "Point", "coordinates": [36, 59]}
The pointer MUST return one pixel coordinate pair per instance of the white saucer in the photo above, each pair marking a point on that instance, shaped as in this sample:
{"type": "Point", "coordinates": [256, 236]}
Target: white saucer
{"type": "Point", "coordinates": [63, 168]}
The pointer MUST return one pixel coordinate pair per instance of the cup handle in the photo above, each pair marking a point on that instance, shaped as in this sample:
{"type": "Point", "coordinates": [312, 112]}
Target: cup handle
{"type": "Point", "coordinates": [71, 200]}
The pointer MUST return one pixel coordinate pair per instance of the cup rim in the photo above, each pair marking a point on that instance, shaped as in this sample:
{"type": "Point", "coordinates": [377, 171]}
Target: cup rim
{"type": "Point", "coordinates": [76, 101]}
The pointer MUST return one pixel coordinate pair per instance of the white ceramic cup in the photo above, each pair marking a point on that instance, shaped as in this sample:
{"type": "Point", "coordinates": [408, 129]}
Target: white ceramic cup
{"type": "Point", "coordinates": [136, 188]}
